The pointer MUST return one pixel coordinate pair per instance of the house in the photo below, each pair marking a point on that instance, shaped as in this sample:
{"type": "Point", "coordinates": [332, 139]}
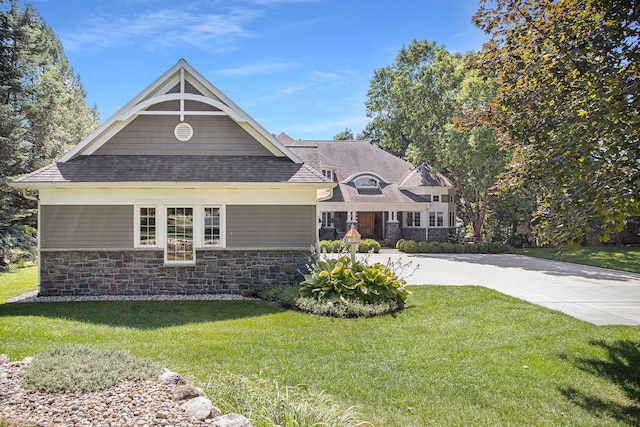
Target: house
{"type": "Point", "coordinates": [179, 192]}
{"type": "Point", "coordinates": [381, 195]}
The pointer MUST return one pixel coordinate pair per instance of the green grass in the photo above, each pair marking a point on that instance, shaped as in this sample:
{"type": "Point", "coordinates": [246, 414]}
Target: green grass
{"type": "Point", "coordinates": [17, 282]}
{"type": "Point", "coordinates": [616, 258]}
{"type": "Point", "coordinates": [457, 356]}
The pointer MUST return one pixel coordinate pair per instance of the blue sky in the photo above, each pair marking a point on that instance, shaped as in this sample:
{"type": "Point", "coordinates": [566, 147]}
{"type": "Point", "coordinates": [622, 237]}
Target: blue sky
{"type": "Point", "coordinates": [297, 66]}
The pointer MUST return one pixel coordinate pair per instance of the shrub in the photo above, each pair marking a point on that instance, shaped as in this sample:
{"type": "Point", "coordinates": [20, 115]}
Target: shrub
{"type": "Point", "coordinates": [423, 247]}
{"type": "Point", "coordinates": [79, 368]}
{"type": "Point", "coordinates": [483, 248]}
{"type": "Point", "coordinates": [434, 248]}
{"type": "Point", "coordinates": [400, 243]}
{"type": "Point", "coordinates": [410, 247]}
{"type": "Point", "coordinates": [337, 280]}
{"type": "Point", "coordinates": [337, 246]}
{"type": "Point", "coordinates": [470, 248]}
{"type": "Point", "coordinates": [346, 309]}
{"type": "Point", "coordinates": [520, 240]}
{"type": "Point", "coordinates": [369, 244]}
{"type": "Point", "coordinates": [325, 246]}
{"type": "Point", "coordinates": [285, 296]}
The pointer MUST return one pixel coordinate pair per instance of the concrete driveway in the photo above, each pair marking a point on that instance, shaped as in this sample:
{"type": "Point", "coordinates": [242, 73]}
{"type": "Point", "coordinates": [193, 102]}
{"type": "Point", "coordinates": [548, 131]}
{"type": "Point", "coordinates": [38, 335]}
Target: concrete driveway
{"type": "Point", "coordinates": [595, 295]}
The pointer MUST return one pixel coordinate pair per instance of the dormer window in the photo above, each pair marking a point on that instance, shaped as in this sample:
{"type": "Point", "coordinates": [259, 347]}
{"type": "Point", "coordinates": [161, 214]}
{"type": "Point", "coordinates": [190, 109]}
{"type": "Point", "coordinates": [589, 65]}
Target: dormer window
{"type": "Point", "coordinates": [328, 173]}
{"type": "Point", "coordinates": [366, 182]}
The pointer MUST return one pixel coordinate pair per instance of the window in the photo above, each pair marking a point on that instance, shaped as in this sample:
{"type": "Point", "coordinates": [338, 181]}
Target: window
{"type": "Point", "coordinates": [328, 173]}
{"type": "Point", "coordinates": [147, 227]}
{"type": "Point", "coordinates": [452, 219]}
{"type": "Point", "coordinates": [413, 219]}
{"type": "Point", "coordinates": [211, 229]}
{"type": "Point", "coordinates": [179, 247]}
{"type": "Point", "coordinates": [435, 198]}
{"type": "Point", "coordinates": [366, 182]}
{"type": "Point", "coordinates": [326, 219]}
{"type": "Point", "coordinates": [432, 219]}
{"type": "Point", "coordinates": [440, 219]}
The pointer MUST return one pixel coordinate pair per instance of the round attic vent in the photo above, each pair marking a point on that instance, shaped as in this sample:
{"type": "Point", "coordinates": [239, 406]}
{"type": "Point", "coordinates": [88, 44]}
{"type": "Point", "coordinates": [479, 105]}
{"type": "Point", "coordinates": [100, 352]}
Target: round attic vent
{"type": "Point", "coordinates": [183, 132]}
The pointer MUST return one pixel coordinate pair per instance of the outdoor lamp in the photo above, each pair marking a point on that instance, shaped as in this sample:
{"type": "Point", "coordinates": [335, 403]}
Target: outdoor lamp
{"type": "Point", "coordinates": [352, 238]}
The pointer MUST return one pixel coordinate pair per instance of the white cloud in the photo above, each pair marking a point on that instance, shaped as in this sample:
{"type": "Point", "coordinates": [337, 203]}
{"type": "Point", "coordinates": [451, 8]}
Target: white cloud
{"type": "Point", "coordinates": [264, 67]}
{"type": "Point", "coordinates": [213, 31]}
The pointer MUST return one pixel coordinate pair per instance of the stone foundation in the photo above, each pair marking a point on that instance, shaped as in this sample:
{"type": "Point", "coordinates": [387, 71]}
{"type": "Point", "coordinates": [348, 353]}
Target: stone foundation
{"type": "Point", "coordinates": [417, 234]}
{"type": "Point", "coordinates": [439, 234]}
{"type": "Point", "coordinates": [143, 272]}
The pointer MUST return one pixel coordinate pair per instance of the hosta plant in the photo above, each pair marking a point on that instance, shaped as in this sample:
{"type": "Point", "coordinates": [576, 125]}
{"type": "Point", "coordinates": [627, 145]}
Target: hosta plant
{"type": "Point", "coordinates": [337, 280]}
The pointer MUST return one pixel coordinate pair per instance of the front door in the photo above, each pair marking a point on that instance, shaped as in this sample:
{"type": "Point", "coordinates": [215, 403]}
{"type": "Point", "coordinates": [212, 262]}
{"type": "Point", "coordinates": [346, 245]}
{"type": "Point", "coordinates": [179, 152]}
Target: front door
{"type": "Point", "coordinates": [366, 224]}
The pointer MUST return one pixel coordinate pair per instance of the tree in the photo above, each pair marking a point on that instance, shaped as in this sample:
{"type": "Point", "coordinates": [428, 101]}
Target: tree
{"type": "Point", "coordinates": [43, 109]}
{"type": "Point", "coordinates": [567, 105]}
{"type": "Point", "coordinates": [423, 107]}
{"type": "Point", "coordinates": [345, 135]}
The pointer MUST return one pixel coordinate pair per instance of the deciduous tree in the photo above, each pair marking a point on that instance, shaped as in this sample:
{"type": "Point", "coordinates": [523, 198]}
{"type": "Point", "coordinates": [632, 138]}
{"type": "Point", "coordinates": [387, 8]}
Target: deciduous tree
{"type": "Point", "coordinates": [569, 79]}
{"type": "Point", "coordinates": [423, 108]}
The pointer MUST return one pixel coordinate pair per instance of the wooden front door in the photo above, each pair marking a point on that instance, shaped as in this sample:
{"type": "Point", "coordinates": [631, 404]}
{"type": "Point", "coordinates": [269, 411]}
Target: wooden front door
{"type": "Point", "coordinates": [366, 224]}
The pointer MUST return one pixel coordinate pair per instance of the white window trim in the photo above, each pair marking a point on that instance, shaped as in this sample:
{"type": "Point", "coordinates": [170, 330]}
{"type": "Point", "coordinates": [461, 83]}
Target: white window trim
{"type": "Point", "coordinates": [406, 218]}
{"type": "Point", "coordinates": [196, 232]}
{"type": "Point", "coordinates": [365, 187]}
{"type": "Point", "coordinates": [200, 235]}
{"type": "Point", "coordinates": [136, 227]}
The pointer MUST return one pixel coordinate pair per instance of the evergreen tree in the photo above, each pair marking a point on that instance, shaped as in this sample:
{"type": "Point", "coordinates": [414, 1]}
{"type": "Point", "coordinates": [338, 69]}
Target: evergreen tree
{"type": "Point", "coordinates": [43, 109]}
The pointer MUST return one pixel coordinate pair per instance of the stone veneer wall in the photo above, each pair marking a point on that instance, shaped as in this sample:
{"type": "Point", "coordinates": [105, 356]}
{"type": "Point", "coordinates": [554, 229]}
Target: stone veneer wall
{"type": "Point", "coordinates": [416, 234]}
{"type": "Point", "coordinates": [439, 234]}
{"type": "Point", "coordinates": [143, 272]}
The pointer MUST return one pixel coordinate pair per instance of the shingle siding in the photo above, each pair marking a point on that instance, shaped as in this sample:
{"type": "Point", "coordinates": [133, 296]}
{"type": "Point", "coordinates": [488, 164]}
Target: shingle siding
{"type": "Point", "coordinates": [212, 136]}
{"type": "Point", "coordinates": [86, 227]}
{"type": "Point", "coordinates": [271, 226]}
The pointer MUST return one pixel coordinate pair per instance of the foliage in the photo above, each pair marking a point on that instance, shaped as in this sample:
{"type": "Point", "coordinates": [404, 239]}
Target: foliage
{"type": "Point", "coordinates": [423, 108]}
{"type": "Point", "coordinates": [43, 109]}
{"type": "Point", "coordinates": [18, 248]}
{"type": "Point", "coordinates": [337, 246]}
{"type": "Point", "coordinates": [79, 368]}
{"type": "Point", "coordinates": [412, 247]}
{"type": "Point", "coordinates": [346, 308]}
{"type": "Point", "coordinates": [267, 403]}
{"type": "Point", "coordinates": [345, 135]}
{"type": "Point", "coordinates": [568, 107]}
{"type": "Point", "coordinates": [337, 280]}
{"type": "Point", "coordinates": [285, 296]}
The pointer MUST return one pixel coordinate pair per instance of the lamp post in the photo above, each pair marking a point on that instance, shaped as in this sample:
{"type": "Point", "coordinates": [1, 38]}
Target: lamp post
{"type": "Point", "coordinates": [352, 238]}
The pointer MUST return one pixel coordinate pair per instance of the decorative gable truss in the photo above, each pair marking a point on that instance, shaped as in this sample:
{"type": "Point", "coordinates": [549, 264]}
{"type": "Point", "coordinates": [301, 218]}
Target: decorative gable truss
{"type": "Point", "coordinates": [183, 93]}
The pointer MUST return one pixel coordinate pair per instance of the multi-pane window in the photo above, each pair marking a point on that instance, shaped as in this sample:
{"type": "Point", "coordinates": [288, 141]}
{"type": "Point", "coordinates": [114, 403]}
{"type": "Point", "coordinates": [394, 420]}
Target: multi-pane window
{"type": "Point", "coordinates": [328, 173]}
{"type": "Point", "coordinates": [326, 219]}
{"type": "Point", "coordinates": [440, 219]}
{"type": "Point", "coordinates": [180, 235]}
{"type": "Point", "coordinates": [148, 227]}
{"type": "Point", "coordinates": [432, 219]}
{"type": "Point", "coordinates": [366, 182]}
{"type": "Point", "coordinates": [435, 198]}
{"type": "Point", "coordinates": [413, 219]}
{"type": "Point", "coordinates": [211, 226]}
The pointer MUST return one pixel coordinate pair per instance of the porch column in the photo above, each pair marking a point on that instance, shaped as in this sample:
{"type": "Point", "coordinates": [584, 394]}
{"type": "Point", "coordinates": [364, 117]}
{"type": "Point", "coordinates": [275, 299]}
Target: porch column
{"type": "Point", "coordinates": [352, 219]}
{"type": "Point", "coordinates": [392, 228]}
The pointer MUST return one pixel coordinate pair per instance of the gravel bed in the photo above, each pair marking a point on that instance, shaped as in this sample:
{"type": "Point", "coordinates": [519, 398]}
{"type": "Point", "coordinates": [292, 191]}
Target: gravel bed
{"type": "Point", "coordinates": [33, 297]}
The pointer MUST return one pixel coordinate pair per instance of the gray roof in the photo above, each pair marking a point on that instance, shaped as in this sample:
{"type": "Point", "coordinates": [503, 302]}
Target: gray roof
{"type": "Point", "coordinates": [353, 158]}
{"type": "Point", "coordinates": [113, 169]}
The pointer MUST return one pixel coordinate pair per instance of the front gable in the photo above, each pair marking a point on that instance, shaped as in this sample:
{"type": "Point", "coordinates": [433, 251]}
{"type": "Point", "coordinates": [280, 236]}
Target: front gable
{"type": "Point", "coordinates": [181, 112]}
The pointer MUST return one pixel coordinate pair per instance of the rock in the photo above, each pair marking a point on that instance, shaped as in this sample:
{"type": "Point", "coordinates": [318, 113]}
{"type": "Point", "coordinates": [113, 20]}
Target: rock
{"type": "Point", "coordinates": [168, 377]}
{"type": "Point", "coordinates": [4, 358]}
{"type": "Point", "coordinates": [27, 360]}
{"type": "Point", "coordinates": [231, 420]}
{"type": "Point", "coordinates": [186, 392]}
{"type": "Point", "coordinates": [200, 408]}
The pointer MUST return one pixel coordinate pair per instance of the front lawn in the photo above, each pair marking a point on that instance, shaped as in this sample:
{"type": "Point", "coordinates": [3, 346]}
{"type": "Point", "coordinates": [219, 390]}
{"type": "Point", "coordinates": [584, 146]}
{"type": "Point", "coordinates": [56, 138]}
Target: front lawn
{"type": "Point", "coordinates": [613, 257]}
{"type": "Point", "coordinates": [457, 356]}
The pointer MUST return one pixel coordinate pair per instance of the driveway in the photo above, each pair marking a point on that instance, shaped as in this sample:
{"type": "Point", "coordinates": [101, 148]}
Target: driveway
{"type": "Point", "coordinates": [595, 295]}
